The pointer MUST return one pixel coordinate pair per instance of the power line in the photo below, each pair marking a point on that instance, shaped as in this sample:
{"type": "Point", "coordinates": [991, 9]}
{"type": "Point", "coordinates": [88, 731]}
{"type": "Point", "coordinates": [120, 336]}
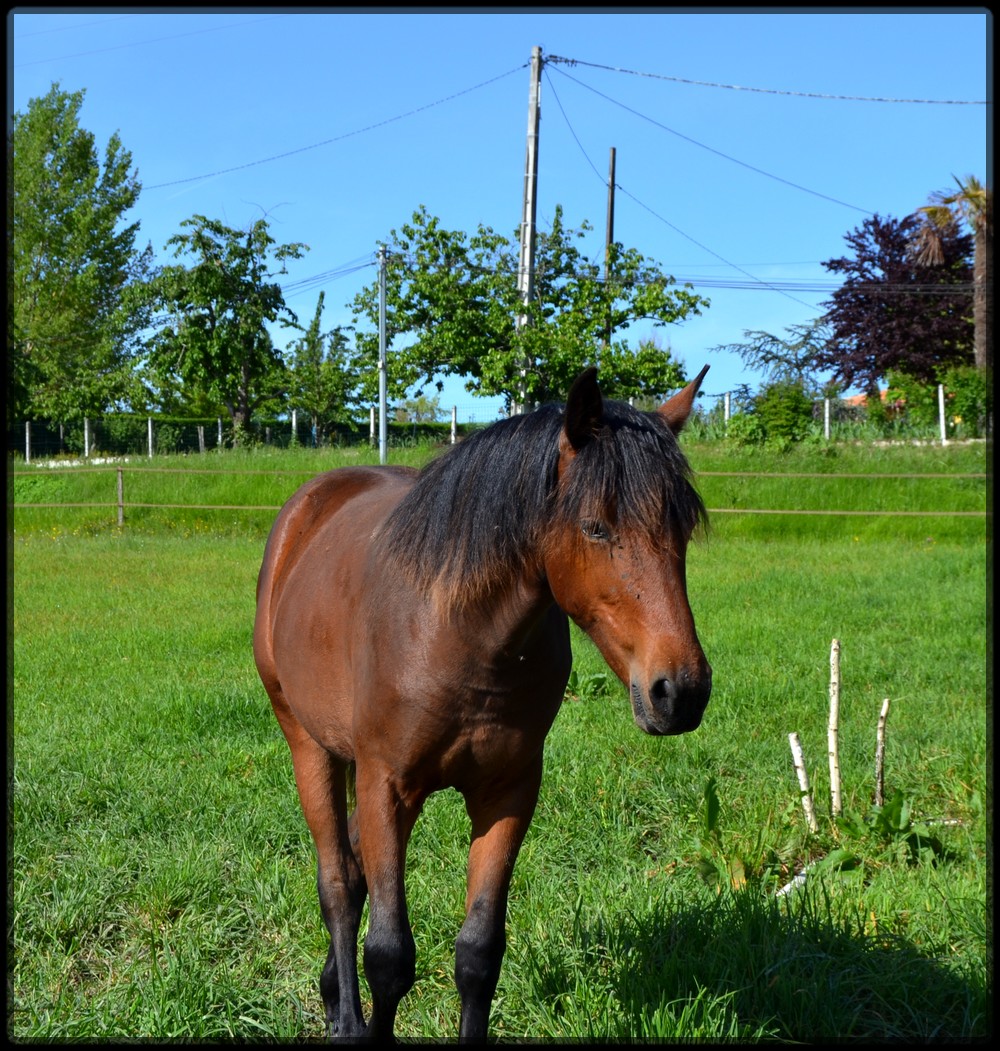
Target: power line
{"type": "Point", "coordinates": [139, 43]}
{"type": "Point", "coordinates": [337, 138]}
{"type": "Point", "coordinates": [660, 217]}
{"type": "Point", "coordinates": [767, 91]}
{"type": "Point", "coordinates": [818, 286]}
{"type": "Point", "coordinates": [306, 283]}
{"type": "Point", "coordinates": [74, 27]}
{"type": "Point", "coordinates": [718, 153]}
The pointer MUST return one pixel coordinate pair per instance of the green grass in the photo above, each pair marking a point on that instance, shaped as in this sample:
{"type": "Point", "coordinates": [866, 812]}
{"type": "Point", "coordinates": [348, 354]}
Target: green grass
{"type": "Point", "coordinates": [161, 876]}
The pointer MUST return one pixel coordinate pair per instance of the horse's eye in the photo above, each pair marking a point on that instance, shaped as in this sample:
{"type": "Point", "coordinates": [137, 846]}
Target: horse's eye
{"type": "Point", "coordinates": [596, 531]}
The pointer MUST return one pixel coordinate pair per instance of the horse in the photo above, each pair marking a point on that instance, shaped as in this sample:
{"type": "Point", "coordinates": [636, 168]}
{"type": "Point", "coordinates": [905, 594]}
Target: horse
{"type": "Point", "coordinates": [412, 634]}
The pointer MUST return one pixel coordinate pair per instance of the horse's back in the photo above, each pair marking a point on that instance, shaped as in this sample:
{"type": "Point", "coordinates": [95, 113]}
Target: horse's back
{"type": "Point", "coordinates": [309, 587]}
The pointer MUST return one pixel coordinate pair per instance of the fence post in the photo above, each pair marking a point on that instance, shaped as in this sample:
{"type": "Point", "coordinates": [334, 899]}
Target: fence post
{"type": "Point", "coordinates": [944, 422]}
{"type": "Point", "coordinates": [86, 438]}
{"type": "Point", "coordinates": [826, 418]}
{"type": "Point", "coordinates": [219, 446]}
{"type": "Point", "coordinates": [454, 423]}
{"type": "Point", "coordinates": [726, 408]}
{"type": "Point", "coordinates": [295, 427]}
{"type": "Point", "coordinates": [371, 426]}
{"type": "Point", "coordinates": [149, 434]}
{"type": "Point", "coordinates": [121, 498]}
{"type": "Point", "coordinates": [27, 441]}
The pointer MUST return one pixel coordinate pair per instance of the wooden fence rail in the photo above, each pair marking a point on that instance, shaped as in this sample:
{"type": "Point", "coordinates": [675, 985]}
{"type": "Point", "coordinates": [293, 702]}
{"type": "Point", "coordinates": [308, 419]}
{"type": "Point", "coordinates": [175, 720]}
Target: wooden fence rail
{"type": "Point", "coordinates": [120, 503]}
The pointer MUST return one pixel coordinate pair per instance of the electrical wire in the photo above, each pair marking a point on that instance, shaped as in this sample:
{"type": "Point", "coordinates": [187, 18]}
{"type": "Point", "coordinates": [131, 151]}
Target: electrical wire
{"type": "Point", "coordinates": [712, 149]}
{"type": "Point", "coordinates": [305, 284]}
{"type": "Point", "coordinates": [137, 43]}
{"type": "Point", "coordinates": [337, 138]}
{"type": "Point", "coordinates": [676, 229]}
{"type": "Point", "coordinates": [767, 91]}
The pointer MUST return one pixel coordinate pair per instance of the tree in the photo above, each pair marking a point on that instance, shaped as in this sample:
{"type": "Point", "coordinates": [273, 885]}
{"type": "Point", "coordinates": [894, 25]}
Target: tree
{"type": "Point", "coordinates": [457, 299]}
{"type": "Point", "coordinates": [971, 203]}
{"type": "Point", "coordinates": [789, 360]}
{"type": "Point", "coordinates": [77, 282]}
{"type": "Point", "coordinates": [322, 378]}
{"type": "Point", "coordinates": [217, 341]}
{"type": "Point", "coordinates": [891, 312]}
{"type": "Point", "coordinates": [420, 410]}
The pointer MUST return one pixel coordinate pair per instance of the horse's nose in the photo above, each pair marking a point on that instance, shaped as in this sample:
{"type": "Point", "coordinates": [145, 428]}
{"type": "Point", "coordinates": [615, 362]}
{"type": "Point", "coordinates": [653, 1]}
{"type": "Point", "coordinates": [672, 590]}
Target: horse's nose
{"type": "Point", "coordinates": [672, 704]}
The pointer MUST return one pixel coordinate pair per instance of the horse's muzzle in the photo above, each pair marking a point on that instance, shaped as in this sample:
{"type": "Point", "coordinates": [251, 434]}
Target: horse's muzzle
{"type": "Point", "coordinates": [671, 705]}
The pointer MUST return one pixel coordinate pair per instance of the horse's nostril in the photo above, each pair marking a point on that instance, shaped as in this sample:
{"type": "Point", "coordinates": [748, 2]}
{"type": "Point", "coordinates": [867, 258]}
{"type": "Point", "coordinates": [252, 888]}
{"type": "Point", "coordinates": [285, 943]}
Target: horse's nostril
{"type": "Point", "coordinates": [663, 691]}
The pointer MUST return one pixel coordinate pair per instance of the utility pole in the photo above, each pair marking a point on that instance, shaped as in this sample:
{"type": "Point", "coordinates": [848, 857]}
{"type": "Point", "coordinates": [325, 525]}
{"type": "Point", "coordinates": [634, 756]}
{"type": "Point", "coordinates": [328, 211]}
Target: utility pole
{"type": "Point", "coordinates": [608, 241]}
{"type": "Point", "coordinates": [382, 396]}
{"type": "Point", "coordinates": [526, 268]}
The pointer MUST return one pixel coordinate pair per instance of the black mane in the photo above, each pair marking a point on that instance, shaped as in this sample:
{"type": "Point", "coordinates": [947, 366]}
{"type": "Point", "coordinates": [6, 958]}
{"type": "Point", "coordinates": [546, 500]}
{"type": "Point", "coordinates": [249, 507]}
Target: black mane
{"type": "Point", "coordinates": [477, 514]}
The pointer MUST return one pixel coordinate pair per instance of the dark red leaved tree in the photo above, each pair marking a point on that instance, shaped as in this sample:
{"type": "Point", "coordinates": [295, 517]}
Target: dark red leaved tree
{"type": "Point", "coordinates": [894, 314]}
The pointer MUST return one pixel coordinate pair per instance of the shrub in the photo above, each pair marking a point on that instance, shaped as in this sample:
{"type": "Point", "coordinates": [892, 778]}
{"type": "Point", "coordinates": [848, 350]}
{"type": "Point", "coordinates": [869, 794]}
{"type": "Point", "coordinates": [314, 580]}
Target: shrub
{"type": "Point", "coordinates": [745, 428]}
{"type": "Point", "coordinates": [968, 399]}
{"type": "Point", "coordinates": [785, 411]}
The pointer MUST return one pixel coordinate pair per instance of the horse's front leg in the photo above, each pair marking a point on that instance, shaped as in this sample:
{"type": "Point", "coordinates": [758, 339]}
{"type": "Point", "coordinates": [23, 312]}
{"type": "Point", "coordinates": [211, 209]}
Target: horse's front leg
{"type": "Point", "coordinates": [500, 820]}
{"type": "Point", "coordinates": [386, 819]}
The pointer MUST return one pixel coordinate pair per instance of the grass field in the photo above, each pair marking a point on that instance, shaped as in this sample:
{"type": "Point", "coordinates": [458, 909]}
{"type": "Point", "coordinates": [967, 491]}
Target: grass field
{"type": "Point", "coordinates": [161, 880]}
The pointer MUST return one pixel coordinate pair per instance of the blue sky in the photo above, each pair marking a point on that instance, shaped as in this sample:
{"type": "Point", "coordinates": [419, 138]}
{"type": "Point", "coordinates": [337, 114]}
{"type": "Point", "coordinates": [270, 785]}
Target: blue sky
{"type": "Point", "coordinates": [747, 144]}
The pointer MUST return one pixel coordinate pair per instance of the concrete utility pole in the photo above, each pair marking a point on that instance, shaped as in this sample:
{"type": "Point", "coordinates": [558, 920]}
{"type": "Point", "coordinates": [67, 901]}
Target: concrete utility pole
{"type": "Point", "coordinates": [608, 241]}
{"type": "Point", "coordinates": [382, 385]}
{"type": "Point", "coordinates": [610, 235]}
{"type": "Point", "coordinates": [526, 268]}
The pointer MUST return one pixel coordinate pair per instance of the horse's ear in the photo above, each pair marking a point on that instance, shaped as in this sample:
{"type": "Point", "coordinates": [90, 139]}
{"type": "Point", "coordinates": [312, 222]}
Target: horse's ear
{"type": "Point", "coordinates": [584, 410]}
{"type": "Point", "coordinates": [676, 410]}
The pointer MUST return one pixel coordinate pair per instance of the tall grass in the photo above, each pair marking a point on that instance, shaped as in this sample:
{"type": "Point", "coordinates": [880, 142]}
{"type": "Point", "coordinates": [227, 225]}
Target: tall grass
{"type": "Point", "coordinates": [161, 875]}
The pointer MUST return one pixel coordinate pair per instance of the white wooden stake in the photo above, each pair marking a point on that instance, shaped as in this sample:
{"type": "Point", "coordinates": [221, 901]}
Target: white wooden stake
{"type": "Point", "coordinates": [880, 755]}
{"type": "Point", "coordinates": [800, 769]}
{"type": "Point", "coordinates": [833, 728]}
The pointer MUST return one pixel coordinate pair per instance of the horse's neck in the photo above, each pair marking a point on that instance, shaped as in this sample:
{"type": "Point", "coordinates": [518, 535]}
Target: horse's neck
{"type": "Point", "coordinates": [508, 620]}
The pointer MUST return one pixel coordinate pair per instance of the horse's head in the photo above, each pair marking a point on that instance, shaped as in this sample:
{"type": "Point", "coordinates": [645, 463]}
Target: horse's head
{"type": "Point", "coordinates": [615, 553]}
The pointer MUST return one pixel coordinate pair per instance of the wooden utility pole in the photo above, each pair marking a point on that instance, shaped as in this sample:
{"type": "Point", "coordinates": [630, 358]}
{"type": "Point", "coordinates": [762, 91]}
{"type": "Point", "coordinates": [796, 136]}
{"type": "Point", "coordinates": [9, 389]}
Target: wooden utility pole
{"type": "Point", "coordinates": [609, 240]}
{"type": "Point", "coordinates": [526, 268]}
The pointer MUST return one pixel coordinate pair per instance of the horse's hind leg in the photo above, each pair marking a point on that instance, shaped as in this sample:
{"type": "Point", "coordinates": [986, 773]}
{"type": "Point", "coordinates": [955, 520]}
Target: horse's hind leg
{"type": "Point", "coordinates": [321, 781]}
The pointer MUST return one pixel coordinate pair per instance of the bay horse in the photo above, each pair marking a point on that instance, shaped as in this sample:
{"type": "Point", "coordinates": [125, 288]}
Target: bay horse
{"type": "Point", "coordinates": [412, 635]}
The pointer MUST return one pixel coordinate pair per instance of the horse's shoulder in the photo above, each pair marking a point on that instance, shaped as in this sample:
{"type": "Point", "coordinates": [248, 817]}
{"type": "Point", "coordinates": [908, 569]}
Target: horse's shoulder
{"type": "Point", "coordinates": [314, 505]}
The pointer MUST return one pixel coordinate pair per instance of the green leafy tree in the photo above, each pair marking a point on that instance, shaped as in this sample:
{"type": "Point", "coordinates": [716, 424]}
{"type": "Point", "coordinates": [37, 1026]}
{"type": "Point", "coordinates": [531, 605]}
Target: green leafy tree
{"type": "Point", "coordinates": [456, 300]}
{"type": "Point", "coordinates": [323, 380]}
{"type": "Point", "coordinates": [422, 409]}
{"type": "Point", "coordinates": [217, 342]}
{"type": "Point", "coordinates": [77, 282]}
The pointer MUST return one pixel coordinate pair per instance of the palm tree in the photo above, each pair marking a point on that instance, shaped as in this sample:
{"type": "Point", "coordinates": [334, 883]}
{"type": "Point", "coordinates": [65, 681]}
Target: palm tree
{"type": "Point", "coordinates": [971, 203]}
